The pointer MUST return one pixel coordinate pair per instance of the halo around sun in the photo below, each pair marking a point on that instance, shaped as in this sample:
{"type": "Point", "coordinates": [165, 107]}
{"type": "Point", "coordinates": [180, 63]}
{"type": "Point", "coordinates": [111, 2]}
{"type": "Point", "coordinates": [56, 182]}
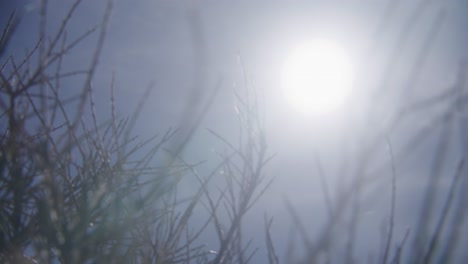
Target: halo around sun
{"type": "Point", "coordinates": [317, 77]}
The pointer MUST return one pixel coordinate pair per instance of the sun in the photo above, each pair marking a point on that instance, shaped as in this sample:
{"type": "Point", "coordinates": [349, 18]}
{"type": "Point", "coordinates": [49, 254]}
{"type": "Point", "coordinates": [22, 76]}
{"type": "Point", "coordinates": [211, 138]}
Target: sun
{"type": "Point", "coordinates": [317, 77]}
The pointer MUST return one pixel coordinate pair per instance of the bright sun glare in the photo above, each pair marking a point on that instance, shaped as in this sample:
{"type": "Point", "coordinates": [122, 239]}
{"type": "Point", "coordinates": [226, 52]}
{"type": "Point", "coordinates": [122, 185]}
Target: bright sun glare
{"type": "Point", "coordinates": [317, 77]}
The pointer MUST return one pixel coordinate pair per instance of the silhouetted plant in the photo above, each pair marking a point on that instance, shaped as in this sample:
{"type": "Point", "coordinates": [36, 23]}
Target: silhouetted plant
{"type": "Point", "coordinates": [73, 191]}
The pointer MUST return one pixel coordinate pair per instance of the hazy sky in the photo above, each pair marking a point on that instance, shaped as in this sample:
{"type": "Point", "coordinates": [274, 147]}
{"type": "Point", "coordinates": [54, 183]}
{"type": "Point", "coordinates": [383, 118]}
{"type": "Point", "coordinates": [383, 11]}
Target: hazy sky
{"type": "Point", "coordinates": [152, 40]}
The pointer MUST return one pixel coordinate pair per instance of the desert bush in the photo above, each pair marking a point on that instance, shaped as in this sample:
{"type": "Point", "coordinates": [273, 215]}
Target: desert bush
{"type": "Point", "coordinates": [74, 189]}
